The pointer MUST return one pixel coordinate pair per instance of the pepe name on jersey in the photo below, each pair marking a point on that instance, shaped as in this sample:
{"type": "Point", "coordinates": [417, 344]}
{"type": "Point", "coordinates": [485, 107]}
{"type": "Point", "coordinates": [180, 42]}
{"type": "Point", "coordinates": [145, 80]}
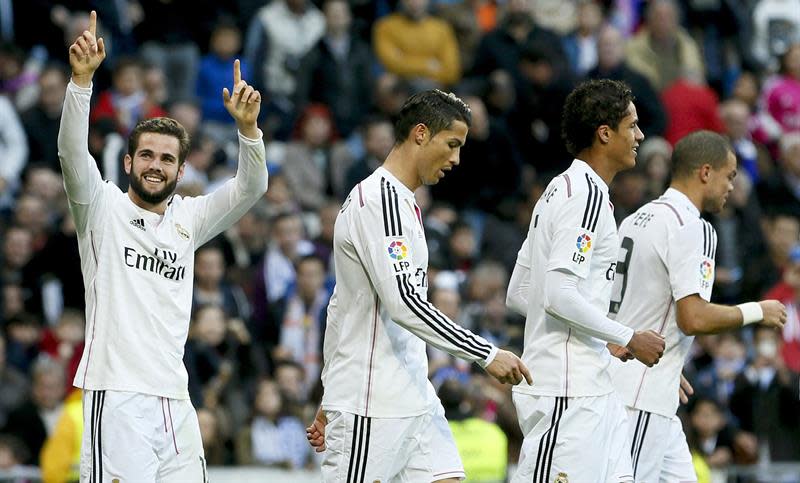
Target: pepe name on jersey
{"type": "Point", "coordinates": [162, 262]}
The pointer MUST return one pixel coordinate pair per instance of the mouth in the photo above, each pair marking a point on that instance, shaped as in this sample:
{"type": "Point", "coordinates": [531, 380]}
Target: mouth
{"type": "Point", "coordinates": [635, 150]}
{"type": "Point", "coordinates": [153, 179]}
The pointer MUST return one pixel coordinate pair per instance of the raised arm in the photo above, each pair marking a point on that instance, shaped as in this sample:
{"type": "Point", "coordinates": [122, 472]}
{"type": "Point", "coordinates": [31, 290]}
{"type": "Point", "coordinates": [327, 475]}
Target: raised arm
{"type": "Point", "coordinates": [81, 176]}
{"type": "Point", "coordinates": [220, 209]}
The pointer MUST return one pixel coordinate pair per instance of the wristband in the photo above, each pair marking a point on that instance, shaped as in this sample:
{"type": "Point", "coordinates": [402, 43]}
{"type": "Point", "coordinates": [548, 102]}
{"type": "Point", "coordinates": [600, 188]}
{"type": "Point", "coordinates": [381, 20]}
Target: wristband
{"type": "Point", "coordinates": [751, 312]}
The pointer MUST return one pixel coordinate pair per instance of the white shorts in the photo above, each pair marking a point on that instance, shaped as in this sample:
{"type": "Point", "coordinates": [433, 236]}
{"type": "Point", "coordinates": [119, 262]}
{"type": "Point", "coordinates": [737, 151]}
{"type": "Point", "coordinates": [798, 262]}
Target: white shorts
{"type": "Point", "coordinates": [658, 449]}
{"type": "Point", "coordinates": [134, 437]}
{"type": "Point", "coordinates": [418, 449]}
{"type": "Point", "coordinates": [576, 439]}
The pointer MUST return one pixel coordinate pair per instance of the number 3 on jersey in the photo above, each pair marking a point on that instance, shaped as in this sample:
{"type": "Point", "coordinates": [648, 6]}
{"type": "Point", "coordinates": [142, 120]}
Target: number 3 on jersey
{"type": "Point", "coordinates": [621, 277]}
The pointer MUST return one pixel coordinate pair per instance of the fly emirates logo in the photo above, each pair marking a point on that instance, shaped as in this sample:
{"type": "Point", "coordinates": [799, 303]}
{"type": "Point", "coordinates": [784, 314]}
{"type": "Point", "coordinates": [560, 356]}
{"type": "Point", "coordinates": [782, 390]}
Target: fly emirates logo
{"type": "Point", "coordinates": [162, 263]}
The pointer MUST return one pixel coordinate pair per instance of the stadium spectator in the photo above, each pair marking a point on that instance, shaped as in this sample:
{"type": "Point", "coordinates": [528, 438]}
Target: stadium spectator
{"type": "Point", "coordinates": [211, 288]}
{"type": "Point", "coordinates": [764, 399]}
{"type": "Point", "coordinates": [35, 420]}
{"type": "Point", "coordinates": [15, 386]}
{"type": "Point", "coordinates": [126, 103]}
{"type": "Point", "coordinates": [273, 437]}
{"type": "Point", "coordinates": [41, 121]}
{"type": "Point", "coordinates": [338, 71]}
{"type": "Point", "coordinates": [662, 51]}
{"type": "Point", "coordinates": [279, 36]}
{"type": "Point", "coordinates": [611, 64]}
{"type": "Point", "coordinates": [417, 47]}
{"type": "Point", "coordinates": [690, 105]}
{"type": "Point", "coordinates": [304, 310]}
{"type": "Point", "coordinates": [214, 73]}
{"type": "Point", "coordinates": [307, 162]}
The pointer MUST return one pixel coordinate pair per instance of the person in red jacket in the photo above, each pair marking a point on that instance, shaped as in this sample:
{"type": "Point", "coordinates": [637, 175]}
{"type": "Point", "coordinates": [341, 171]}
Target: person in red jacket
{"type": "Point", "coordinates": [690, 106]}
{"type": "Point", "coordinates": [787, 291]}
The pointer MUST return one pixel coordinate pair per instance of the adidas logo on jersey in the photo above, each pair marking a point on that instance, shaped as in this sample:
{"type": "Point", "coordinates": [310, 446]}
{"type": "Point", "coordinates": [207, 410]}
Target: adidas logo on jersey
{"type": "Point", "coordinates": [138, 223]}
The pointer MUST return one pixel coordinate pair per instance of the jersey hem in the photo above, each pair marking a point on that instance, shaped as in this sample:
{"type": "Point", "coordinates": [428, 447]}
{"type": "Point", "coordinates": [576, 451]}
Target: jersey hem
{"type": "Point", "coordinates": [361, 412]}
{"type": "Point", "coordinates": [559, 393]}
{"type": "Point", "coordinates": [101, 387]}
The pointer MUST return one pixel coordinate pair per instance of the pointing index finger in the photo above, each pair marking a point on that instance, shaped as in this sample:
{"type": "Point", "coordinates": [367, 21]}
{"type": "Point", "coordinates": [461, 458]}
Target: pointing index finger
{"type": "Point", "coordinates": [93, 23]}
{"type": "Point", "coordinates": [237, 73]}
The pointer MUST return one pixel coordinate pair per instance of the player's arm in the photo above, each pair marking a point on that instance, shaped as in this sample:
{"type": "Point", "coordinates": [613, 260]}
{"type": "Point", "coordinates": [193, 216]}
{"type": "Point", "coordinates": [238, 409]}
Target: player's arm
{"type": "Point", "coordinates": [568, 263]}
{"type": "Point", "coordinates": [518, 286]}
{"type": "Point", "coordinates": [385, 251]}
{"type": "Point", "coordinates": [220, 209]}
{"type": "Point", "coordinates": [81, 176]}
{"type": "Point", "coordinates": [690, 260]}
{"type": "Point", "coordinates": [697, 316]}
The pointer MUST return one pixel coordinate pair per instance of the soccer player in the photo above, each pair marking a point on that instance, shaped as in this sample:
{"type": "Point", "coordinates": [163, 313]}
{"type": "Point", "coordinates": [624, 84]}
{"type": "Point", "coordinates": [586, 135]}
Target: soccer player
{"type": "Point", "coordinates": [137, 255]}
{"type": "Point", "coordinates": [380, 418]}
{"type": "Point", "coordinates": [663, 282]}
{"type": "Point", "coordinates": [573, 423]}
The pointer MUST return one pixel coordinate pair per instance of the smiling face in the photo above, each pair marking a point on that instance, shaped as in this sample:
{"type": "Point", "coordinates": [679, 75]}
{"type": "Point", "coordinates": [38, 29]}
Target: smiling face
{"type": "Point", "coordinates": [439, 153]}
{"type": "Point", "coordinates": [623, 141]}
{"type": "Point", "coordinates": [154, 169]}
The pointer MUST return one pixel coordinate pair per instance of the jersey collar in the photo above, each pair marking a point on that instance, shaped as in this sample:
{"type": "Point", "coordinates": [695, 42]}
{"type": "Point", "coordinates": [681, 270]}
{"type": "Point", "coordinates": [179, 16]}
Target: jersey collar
{"type": "Point", "coordinates": [402, 189]}
{"type": "Point", "coordinates": [583, 167]}
{"type": "Point", "coordinates": [681, 200]}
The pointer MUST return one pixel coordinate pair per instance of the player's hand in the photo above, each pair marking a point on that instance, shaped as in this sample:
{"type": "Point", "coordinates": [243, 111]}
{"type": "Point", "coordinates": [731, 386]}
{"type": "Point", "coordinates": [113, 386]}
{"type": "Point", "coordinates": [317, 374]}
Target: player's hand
{"type": "Point", "coordinates": [86, 53]}
{"type": "Point", "coordinates": [685, 390]}
{"type": "Point", "coordinates": [508, 368]}
{"type": "Point", "coordinates": [244, 104]}
{"type": "Point", "coordinates": [316, 432]}
{"type": "Point", "coordinates": [647, 346]}
{"type": "Point", "coordinates": [774, 313]}
{"type": "Point", "coordinates": [621, 353]}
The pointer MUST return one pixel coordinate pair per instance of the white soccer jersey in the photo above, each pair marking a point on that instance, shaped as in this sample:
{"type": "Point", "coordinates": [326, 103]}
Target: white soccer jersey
{"type": "Point", "coordinates": [137, 265]}
{"type": "Point", "coordinates": [379, 317]}
{"type": "Point", "coordinates": [572, 229]}
{"type": "Point", "coordinates": [667, 253]}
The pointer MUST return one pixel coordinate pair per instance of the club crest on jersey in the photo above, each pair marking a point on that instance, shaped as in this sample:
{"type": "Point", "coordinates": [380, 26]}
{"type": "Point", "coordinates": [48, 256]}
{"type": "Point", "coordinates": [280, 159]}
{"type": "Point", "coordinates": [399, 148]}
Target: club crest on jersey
{"type": "Point", "coordinates": [183, 232]}
{"type": "Point", "coordinates": [561, 478]}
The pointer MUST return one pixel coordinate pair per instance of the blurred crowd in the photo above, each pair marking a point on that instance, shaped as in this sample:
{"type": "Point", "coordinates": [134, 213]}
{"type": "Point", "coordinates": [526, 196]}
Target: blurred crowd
{"type": "Point", "coordinates": [333, 74]}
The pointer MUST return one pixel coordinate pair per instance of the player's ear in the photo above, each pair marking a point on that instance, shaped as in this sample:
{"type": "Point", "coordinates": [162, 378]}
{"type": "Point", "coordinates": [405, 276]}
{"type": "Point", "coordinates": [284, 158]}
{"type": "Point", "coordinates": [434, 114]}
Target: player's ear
{"type": "Point", "coordinates": [420, 133]}
{"type": "Point", "coordinates": [705, 173]}
{"type": "Point", "coordinates": [181, 169]}
{"type": "Point", "coordinates": [127, 163]}
{"type": "Point", "coordinates": [603, 134]}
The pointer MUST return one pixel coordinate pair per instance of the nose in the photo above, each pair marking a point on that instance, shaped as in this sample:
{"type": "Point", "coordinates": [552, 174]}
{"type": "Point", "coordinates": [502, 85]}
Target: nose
{"type": "Point", "coordinates": [456, 159]}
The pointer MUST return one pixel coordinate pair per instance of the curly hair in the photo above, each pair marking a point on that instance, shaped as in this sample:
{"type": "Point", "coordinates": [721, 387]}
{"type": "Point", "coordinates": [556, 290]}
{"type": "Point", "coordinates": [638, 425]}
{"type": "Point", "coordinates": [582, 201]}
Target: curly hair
{"type": "Point", "coordinates": [593, 104]}
{"type": "Point", "coordinates": [160, 125]}
{"type": "Point", "coordinates": [435, 109]}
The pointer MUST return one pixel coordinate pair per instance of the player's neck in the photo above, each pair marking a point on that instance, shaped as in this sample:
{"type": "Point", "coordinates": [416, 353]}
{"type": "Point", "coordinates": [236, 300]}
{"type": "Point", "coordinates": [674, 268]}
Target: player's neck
{"type": "Point", "coordinates": [400, 163]}
{"type": "Point", "coordinates": [158, 208]}
{"type": "Point", "coordinates": [599, 164]}
{"type": "Point", "coordinates": [694, 195]}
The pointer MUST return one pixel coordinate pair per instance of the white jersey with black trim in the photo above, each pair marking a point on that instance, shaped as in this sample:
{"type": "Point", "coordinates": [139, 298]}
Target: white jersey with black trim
{"type": "Point", "coordinates": [572, 230]}
{"type": "Point", "coordinates": [667, 253]}
{"type": "Point", "coordinates": [379, 317]}
{"type": "Point", "coordinates": [138, 266]}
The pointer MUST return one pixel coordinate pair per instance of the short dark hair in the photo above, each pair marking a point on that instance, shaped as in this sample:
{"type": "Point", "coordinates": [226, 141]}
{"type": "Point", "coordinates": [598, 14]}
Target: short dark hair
{"type": "Point", "coordinates": [160, 125]}
{"type": "Point", "coordinates": [435, 109]}
{"type": "Point", "coordinates": [593, 104]}
{"type": "Point", "coordinates": [696, 149]}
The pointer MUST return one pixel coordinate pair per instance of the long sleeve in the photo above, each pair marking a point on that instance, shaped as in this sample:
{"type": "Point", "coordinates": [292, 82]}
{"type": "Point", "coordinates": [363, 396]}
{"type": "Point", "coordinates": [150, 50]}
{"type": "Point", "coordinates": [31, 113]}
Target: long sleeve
{"type": "Point", "coordinates": [395, 281]}
{"type": "Point", "coordinates": [14, 146]}
{"type": "Point", "coordinates": [518, 286]}
{"type": "Point", "coordinates": [81, 177]}
{"type": "Point", "coordinates": [220, 209]}
{"type": "Point", "coordinates": [564, 302]}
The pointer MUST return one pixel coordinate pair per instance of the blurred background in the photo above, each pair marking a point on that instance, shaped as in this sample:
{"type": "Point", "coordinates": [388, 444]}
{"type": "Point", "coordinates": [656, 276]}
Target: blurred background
{"type": "Point", "coordinates": [333, 74]}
